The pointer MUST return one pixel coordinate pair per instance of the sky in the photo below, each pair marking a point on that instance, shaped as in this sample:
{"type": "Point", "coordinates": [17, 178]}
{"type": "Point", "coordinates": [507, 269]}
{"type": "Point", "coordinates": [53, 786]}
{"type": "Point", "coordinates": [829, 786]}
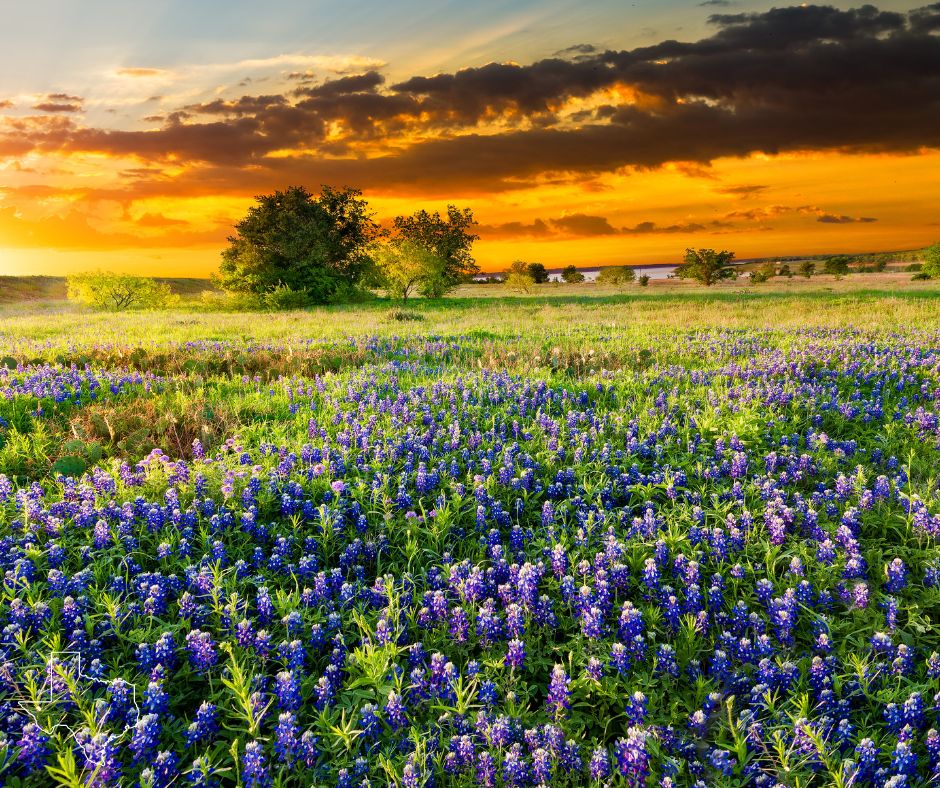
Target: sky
{"type": "Point", "coordinates": [133, 135]}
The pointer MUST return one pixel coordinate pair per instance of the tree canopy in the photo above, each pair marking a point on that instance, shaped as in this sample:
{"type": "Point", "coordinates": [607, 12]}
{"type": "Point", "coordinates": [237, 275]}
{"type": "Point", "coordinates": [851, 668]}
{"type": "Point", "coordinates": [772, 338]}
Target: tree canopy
{"type": "Point", "coordinates": [315, 244]}
{"type": "Point", "coordinates": [932, 261]}
{"type": "Point", "coordinates": [571, 274]}
{"type": "Point", "coordinates": [838, 266]}
{"type": "Point", "coordinates": [616, 275]}
{"type": "Point", "coordinates": [519, 276]}
{"type": "Point", "coordinates": [538, 272]}
{"type": "Point", "coordinates": [449, 238]}
{"type": "Point", "coordinates": [707, 266]}
{"type": "Point", "coordinates": [405, 267]}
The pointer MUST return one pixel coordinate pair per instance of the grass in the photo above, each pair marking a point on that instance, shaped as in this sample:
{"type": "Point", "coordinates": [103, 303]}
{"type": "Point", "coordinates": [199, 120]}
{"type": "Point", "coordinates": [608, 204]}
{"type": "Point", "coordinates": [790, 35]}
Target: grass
{"type": "Point", "coordinates": [870, 301]}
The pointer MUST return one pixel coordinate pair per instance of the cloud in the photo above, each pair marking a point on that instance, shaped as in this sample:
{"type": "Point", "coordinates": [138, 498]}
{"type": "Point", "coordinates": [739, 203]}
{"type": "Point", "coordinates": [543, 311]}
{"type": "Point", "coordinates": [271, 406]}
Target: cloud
{"type": "Point", "coordinates": [583, 225]}
{"type": "Point", "coordinates": [831, 218]}
{"type": "Point", "coordinates": [743, 190]}
{"type": "Point", "coordinates": [59, 102]}
{"type": "Point", "coordinates": [813, 78]}
{"type": "Point", "coordinates": [359, 83]}
{"type": "Point", "coordinates": [143, 73]}
{"type": "Point", "coordinates": [6, 104]}
{"type": "Point", "coordinates": [580, 225]}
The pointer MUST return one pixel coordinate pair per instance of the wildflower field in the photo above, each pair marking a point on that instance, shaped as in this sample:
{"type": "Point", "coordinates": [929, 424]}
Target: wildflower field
{"type": "Point", "coordinates": [559, 543]}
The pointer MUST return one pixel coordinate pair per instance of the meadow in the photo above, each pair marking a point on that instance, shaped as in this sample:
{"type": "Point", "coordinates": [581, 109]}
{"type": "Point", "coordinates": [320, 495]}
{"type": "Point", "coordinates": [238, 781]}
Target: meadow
{"type": "Point", "coordinates": [664, 537]}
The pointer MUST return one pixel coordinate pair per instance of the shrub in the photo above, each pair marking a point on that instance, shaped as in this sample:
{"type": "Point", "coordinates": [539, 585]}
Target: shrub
{"type": "Point", "coordinates": [119, 292]}
{"type": "Point", "coordinates": [644, 280]}
{"type": "Point", "coordinates": [404, 316]}
{"type": "Point", "coordinates": [932, 261]}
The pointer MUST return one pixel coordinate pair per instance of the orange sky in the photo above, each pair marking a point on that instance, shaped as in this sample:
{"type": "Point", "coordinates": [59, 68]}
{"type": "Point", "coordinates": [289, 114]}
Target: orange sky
{"type": "Point", "coordinates": [800, 130]}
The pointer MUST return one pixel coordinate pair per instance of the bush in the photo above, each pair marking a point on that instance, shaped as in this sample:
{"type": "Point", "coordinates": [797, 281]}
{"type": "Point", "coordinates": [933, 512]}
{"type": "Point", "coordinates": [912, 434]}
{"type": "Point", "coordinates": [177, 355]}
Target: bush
{"type": "Point", "coordinates": [920, 276]}
{"type": "Point", "coordinates": [119, 292]}
{"type": "Point", "coordinates": [644, 280]}
{"type": "Point", "coordinates": [932, 261]}
{"type": "Point", "coordinates": [404, 316]}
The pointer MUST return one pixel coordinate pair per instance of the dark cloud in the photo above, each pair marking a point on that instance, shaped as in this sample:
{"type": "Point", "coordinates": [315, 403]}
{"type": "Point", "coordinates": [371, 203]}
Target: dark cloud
{"type": "Point", "coordinates": [715, 4]}
{"type": "Point", "coordinates": [582, 224]}
{"type": "Point", "coordinates": [831, 218]}
{"type": "Point", "coordinates": [742, 190]}
{"type": "Point", "coordinates": [52, 106]}
{"type": "Point", "coordinates": [358, 83]}
{"type": "Point", "coordinates": [789, 79]}
{"type": "Point", "coordinates": [6, 104]}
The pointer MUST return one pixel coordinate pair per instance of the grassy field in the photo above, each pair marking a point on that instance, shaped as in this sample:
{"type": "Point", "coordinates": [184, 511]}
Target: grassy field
{"type": "Point", "coordinates": [557, 312]}
{"type": "Point", "coordinates": [669, 536]}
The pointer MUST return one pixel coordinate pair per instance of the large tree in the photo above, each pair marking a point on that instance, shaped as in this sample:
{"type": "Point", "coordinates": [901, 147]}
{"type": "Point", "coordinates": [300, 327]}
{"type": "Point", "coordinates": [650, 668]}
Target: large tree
{"type": "Point", "coordinates": [317, 244]}
{"type": "Point", "coordinates": [450, 238]}
{"type": "Point", "coordinates": [706, 266]}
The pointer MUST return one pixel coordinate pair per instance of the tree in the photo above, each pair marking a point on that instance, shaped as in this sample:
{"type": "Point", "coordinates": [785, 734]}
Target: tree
{"type": "Point", "coordinates": [119, 292]}
{"type": "Point", "coordinates": [539, 273]}
{"type": "Point", "coordinates": [572, 275]}
{"type": "Point", "coordinates": [838, 266]}
{"type": "Point", "coordinates": [931, 265]}
{"type": "Point", "coordinates": [315, 244]}
{"type": "Point", "coordinates": [519, 276]}
{"type": "Point", "coordinates": [769, 270]}
{"type": "Point", "coordinates": [644, 280]}
{"type": "Point", "coordinates": [404, 267]}
{"type": "Point", "coordinates": [807, 268]}
{"type": "Point", "coordinates": [706, 266]}
{"type": "Point", "coordinates": [449, 238]}
{"type": "Point", "coordinates": [618, 275]}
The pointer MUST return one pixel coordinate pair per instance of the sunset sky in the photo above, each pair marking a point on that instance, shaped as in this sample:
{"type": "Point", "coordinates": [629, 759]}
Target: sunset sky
{"type": "Point", "coordinates": [132, 135]}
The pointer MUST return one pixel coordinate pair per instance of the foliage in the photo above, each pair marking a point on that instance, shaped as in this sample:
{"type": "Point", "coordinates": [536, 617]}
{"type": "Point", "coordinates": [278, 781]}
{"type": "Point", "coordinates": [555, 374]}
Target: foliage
{"type": "Point", "coordinates": [571, 275]}
{"type": "Point", "coordinates": [807, 268]}
{"type": "Point", "coordinates": [707, 266]}
{"type": "Point", "coordinates": [316, 244]}
{"type": "Point", "coordinates": [616, 275]}
{"type": "Point", "coordinates": [644, 280]}
{"type": "Point", "coordinates": [119, 292]}
{"type": "Point", "coordinates": [553, 556]}
{"type": "Point", "coordinates": [450, 238]}
{"type": "Point", "coordinates": [931, 264]}
{"type": "Point", "coordinates": [837, 265]}
{"type": "Point", "coordinates": [519, 276]}
{"type": "Point", "coordinates": [785, 271]}
{"type": "Point", "coordinates": [538, 272]}
{"type": "Point", "coordinates": [405, 267]}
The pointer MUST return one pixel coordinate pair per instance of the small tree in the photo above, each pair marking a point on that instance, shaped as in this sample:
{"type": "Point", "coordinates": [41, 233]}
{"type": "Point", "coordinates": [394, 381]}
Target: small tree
{"type": "Point", "coordinates": [706, 266]}
{"type": "Point", "coordinates": [519, 276]}
{"type": "Point", "coordinates": [807, 268]}
{"type": "Point", "coordinates": [119, 292]}
{"type": "Point", "coordinates": [617, 275]}
{"type": "Point", "coordinates": [838, 266]}
{"type": "Point", "coordinates": [785, 271]}
{"type": "Point", "coordinates": [404, 268]}
{"type": "Point", "coordinates": [769, 270]}
{"type": "Point", "coordinates": [931, 265]}
{"type": "Point", "coordinates": [450, 238]}
{"type": "Point", "coordinates": [644, 280]}
{"type": "Point", "coordinates": [538, 272]}
{"type": "Point", "coordinates": [572, 275]}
